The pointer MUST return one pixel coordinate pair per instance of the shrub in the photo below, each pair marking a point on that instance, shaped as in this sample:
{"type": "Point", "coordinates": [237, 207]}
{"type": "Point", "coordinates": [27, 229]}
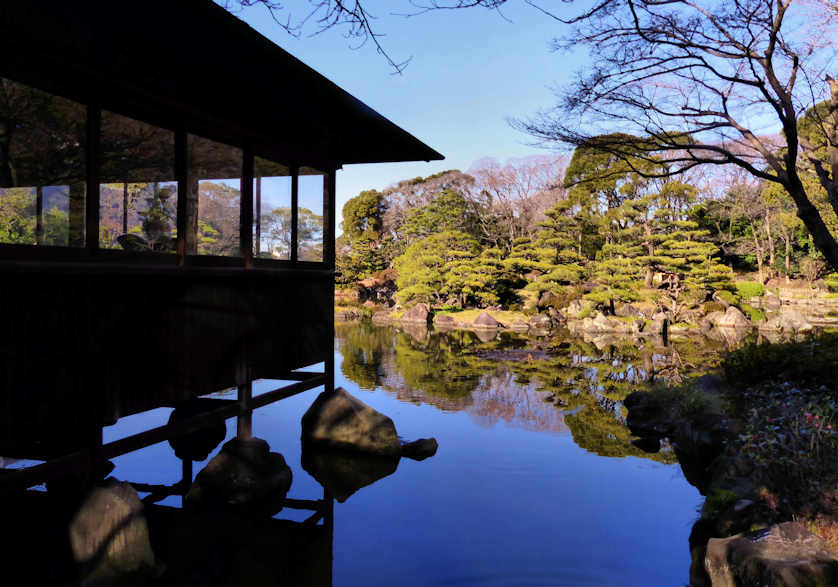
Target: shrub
{"type": "Point", "coordinates": [728, 296]}
{"type": "Point", "coordinates": [749, 289]}
{"type": "Point", "coordinates": [831, 281]}
{"type": "Point", "coordinates": [812, 361]}
{"type": "Point", "coordinates": [753, 314]}
{"type": "Point", "coordinates": [712, 307]}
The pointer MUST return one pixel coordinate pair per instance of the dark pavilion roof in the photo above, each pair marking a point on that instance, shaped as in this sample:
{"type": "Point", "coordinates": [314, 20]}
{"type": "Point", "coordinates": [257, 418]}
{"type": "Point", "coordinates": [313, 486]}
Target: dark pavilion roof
{"type": "Point", "coordinates": [191, 62]}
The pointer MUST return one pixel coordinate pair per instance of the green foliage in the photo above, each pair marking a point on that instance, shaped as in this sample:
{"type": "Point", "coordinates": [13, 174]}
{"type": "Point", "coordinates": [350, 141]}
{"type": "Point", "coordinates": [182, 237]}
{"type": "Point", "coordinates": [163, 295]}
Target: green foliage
{"type": "Point", "coordinates": [831, 282]}
{"type": "Point", "coordinates": [749, 289]}
{"type": "Point", "coordinates": [753, 314]}
{"type": "Point", "coordinates": [435, 269]}
{"type": "Point", "coordinates": [812, 361]}
{"type": "Point", "coordinates": [728, 296]}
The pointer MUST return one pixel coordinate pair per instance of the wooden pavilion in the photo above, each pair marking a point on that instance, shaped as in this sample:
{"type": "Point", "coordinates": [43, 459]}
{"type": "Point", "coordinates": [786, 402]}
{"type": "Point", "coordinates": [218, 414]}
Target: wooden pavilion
{"type": "Point", "coordinates": [167, 219]}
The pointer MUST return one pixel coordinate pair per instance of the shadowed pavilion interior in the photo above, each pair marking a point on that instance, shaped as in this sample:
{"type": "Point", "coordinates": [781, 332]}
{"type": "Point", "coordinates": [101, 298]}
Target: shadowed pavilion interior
{"type": "Point", "coordinates": [167, 226]}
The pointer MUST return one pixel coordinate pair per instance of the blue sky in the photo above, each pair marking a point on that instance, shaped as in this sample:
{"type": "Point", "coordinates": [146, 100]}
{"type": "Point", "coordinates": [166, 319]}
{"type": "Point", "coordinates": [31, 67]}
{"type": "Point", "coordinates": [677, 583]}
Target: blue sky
{"type": "Point", "coordinates": [470, 71]}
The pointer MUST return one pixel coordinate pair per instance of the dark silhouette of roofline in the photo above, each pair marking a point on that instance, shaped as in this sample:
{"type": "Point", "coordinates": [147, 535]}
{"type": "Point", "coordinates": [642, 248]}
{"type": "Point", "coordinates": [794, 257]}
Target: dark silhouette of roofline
{"type": "Point", "coordinates": [192, 63]}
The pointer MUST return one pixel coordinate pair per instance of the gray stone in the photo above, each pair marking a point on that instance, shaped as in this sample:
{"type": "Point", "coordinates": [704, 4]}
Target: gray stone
{"type": "Point", "coordinates": [771, 302]}
{"type": "Point", "coordinates": [421, 449]}
{"type": "Point", "coordinates": [444, 320]}
{"type": "Point", "coordinates": [339, 420]}
{"type": "Point", "coordinates": [519, 324]}
{"type": "Point", "coordinates": [732, 318]}
{"type": "Point", "coordinates": [485, 320]}
{"type": "Point", "coordinates": [244, 477]}
{"type": "Point", "coordinates": [109, 537]}
{"type": "Point", "coordinates": [785, 555]}
{"type": "Point", "coordinates": [794, 321]}
{"type": "Point", "coordinates": [540, 321]}
{"type": "Point", "coordinates": [420, 313]}
{"type": "Point", "coordinates": [574, 308]}
{"type": "Point", "coordinates": [660, 323]}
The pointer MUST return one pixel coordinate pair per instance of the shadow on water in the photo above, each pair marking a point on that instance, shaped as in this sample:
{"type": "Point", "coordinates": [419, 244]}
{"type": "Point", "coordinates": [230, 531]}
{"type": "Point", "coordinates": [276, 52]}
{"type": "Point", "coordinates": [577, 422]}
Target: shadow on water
{"type": "Point", "coordinates": [226, 532]}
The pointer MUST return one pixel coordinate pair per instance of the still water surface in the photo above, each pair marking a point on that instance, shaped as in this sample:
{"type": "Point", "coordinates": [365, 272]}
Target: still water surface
{"type": "Point", "coordinates": [522, 491]}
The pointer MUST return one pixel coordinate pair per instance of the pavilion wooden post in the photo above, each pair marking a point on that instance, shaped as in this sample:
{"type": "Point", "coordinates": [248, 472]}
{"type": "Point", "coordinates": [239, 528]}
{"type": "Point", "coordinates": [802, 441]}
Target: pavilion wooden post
{"type": "Point", "coordinates": [246, 216]}
{"type": "Point", "coordinates": [39, 215]}
{"type": "Point", "coordinates": [257, 211]}
{"type": "Point", "coordinates": [329, 206]}
{"type": "Point", "coordinates": [295, 196]}
{"type": "Point", "coordinates": [182, 187]}
{"type": "Point", "coordinates": [244, 422]}
{"type": "Point", "coordinates": [94, 125]}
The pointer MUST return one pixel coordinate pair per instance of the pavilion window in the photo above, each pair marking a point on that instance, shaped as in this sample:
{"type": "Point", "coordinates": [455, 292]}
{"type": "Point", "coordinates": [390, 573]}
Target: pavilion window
{"type": "Point", "coordinates": [42, 167]}
{"type": "Point", "coordinates": [138, 187]}
{"type": "Point", "coordinates": [313, 195]}
{"type": "Point", "coordinates": [214, 178]}
{"type": "Point", "coordinates": [272, 217]}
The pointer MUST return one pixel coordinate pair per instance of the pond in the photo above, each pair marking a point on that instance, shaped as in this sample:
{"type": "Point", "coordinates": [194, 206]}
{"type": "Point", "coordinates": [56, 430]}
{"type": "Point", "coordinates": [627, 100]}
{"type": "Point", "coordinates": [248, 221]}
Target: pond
{"type": "Point", "coordinates": [535, 482]}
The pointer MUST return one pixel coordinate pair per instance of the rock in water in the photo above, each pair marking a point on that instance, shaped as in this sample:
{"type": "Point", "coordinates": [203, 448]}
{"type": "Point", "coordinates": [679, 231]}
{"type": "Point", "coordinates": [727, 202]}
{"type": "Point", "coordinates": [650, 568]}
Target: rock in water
{"type": "Point", "coordinates": [485, 320]}
{"type": "Point", "coordinates": [783, 555]}
{"type": "Point", "coordinates": [339, 420]}
{"type": "Point", "coordinates": [733, 318]}
{"type": "Point", "coordinates": [244, 477]}
{"type": "Point", "coordinates": [420, 314]}
{"type": "Point", "coordinates": [196, 445]}
{"type": "Point", "coordinates": [421, 449]}
{"type": "Point", "coordinates": [109, 537]}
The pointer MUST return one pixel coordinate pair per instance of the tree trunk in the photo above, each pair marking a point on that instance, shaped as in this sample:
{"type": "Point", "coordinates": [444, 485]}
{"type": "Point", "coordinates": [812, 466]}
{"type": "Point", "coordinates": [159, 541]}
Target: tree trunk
{"type": "Point", "coordinates": [806, 211]}
{"type": "Point", "coordinates": [770, 238]}
{"type": "Point", "coordinates": [759, 252]}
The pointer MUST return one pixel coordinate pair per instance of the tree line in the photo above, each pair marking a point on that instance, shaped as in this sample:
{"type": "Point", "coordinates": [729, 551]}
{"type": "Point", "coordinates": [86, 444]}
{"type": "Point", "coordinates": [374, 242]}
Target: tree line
{"type": "Point", "coordinates": [609, 227]}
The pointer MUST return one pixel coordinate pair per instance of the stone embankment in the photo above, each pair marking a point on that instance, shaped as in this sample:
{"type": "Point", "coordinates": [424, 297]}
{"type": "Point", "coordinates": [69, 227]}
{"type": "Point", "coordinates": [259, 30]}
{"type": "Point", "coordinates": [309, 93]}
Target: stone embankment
{"type": "Point", "coordinates": [780, 313]}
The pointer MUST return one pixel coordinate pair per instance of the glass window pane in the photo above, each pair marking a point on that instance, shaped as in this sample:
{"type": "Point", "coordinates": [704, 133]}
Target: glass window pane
{"type": "Point", "coordinates": [215, 171]}
{"type": "Point", "coordinates": [310, 215]}
{"type": "Point", "coordinates": [271, 210]}
{"type": "Point", "coordinates": [42, 167]}
{"type": "Point", "coordinates": [138, 193]}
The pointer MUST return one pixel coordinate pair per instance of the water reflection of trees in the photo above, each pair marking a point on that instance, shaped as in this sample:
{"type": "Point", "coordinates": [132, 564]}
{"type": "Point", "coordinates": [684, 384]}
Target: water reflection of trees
{"type": "Point", "coordinates": [552, 386]}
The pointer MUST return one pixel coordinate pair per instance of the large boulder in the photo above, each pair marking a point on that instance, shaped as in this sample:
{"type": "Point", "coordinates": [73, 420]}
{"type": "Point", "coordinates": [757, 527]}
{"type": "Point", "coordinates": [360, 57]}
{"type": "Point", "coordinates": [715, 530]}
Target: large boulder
{"type": "Point", "coordinates": [541, 322]}
{"type": "Point", "coordinates": [659, 324]}
{"type": "Point", "coordinates": [244, 477]}
{"type": "Point", "coordinates": [418, 314]}
{"type": "Point", "coordinates": [485, 320]}
{"type": "Point", "coordinates": [794, 321]}
{"type": "Point", "coordinates": [771, 302]}
{"type": "Point", "coordinates": [109, 537]}
{"type": "Point", "coordinates": [732, 318]}
{"type": "Point", "coordinates": [785, 555]}
{"type": "Point", "coordinates": [196, 445]}
{"type": "Point", "coordinates": [339, 420]}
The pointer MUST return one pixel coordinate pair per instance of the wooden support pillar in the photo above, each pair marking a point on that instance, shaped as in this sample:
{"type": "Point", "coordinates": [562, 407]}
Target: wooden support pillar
{"type": "Point", "coordinates": [295, 198]}
{"type": "Point", "coordinates": [39, 215]}
{"type": "Point", "coordinates": [246, 209]}
{"type": "Point", "coordinates": [257, 211]}
{"type": "Point", "coordinates": [244, 424]}
{"type": "Point", "coordinates": [125, 208]}
{"type": "Point", "coordinates": [94, 124]}
{"type": "Point", "coordinates": [329, 187]}
{"type": "Point", "coordinates": [182, 176]}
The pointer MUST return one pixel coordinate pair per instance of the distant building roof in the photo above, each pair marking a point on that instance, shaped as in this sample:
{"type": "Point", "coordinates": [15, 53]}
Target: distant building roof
{"type": "Point", "coordinates": [191, 62]}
